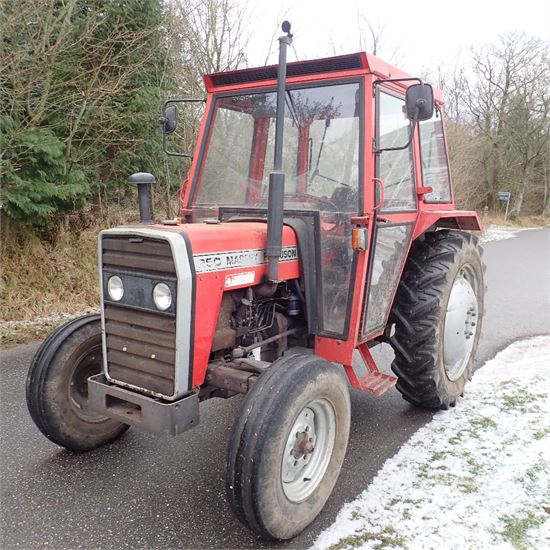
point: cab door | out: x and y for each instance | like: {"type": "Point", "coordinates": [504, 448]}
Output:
{"type": "Point", "coordinates": [395, 211]}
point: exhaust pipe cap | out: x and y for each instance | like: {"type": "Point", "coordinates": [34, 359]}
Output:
{"type": "Point", "coordinates": [144, 180]}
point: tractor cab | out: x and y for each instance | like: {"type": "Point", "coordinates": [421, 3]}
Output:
{"type": "Point", "coordinates": [353, 180]}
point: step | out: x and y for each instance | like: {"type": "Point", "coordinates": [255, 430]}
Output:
{"type": "Point", "coordinates": [377, 383]}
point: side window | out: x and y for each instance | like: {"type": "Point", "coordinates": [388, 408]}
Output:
{"type": "Point", "coordinates": [435, 166]}
{"type": "Point", "coordinates": [395, 168]}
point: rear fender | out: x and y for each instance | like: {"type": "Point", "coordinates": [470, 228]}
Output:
{"type": "Point", "coordinates": [451, 219]}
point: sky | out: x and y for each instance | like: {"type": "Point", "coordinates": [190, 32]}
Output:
{"type": "Point", "coordinates": [416, 35]}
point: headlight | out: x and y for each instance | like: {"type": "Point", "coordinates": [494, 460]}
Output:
{"type": "Point", "coordinates": [162, 296]}
{"type": "Point", "coordinates": [115, 288]}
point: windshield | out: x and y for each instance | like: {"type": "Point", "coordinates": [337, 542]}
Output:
{"type": "Point", "coordinates": [320, 149]}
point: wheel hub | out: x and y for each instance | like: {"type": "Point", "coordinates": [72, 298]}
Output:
{"type": "Point", "coordinates": [460, 325]}
{"type": "Point", "coordinates": [303, 445]}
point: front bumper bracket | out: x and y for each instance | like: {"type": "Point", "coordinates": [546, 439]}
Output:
{"type": "Point", "coordinates": [145, 413]}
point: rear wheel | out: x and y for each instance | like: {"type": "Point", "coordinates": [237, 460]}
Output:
{"type": "Point", "coordinates": [57, 387]}
{"type": "Point", "coordinates": [438, 313]}
{"type": "Point", "coordinates": [287, 445]}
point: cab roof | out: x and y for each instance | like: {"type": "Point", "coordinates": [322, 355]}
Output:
{"type": "Point", "coordinates": [343, 65]}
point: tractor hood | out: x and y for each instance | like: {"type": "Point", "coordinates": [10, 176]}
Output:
{"type": "Point", "coordinates": [161, 291]}
{"type": "Point", "coordinates": [233, 245]}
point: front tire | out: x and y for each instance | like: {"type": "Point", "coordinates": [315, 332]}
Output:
{"type": "Point", "coordinates": [57, 387]}
{"type": "Point", "coordinates": [438, 311]}
{"type": "Point", "coordinates": [287, 445]}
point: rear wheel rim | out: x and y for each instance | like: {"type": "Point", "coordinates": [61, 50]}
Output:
{"type": "Point", "coordinates": [461, 323]}
{"type": "Point", "coordinates": [308, 450]}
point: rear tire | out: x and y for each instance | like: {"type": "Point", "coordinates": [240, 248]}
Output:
{"type": "Point", "coordinates": [438, 311]}
{"type": "Point", "coordinates": [287, 445]}
{"type": "Point", "coordinates": [57, 387]}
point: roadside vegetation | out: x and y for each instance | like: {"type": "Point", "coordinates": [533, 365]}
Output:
{"type": "Point", "coordinates": [82, 85]}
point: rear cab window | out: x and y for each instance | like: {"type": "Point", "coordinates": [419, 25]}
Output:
{"type": "Point", "coordinates": [435, 164]}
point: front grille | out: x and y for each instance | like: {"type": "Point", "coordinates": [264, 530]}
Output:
{"type": "Point", "coordinates": [137, 254]}
{"type": "Point", "coordinates": [141, 345]}
{"type": "Point", "coordinates": [141, 348]}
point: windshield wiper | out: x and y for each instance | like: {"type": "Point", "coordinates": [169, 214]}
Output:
{"type": "Point", "coordinates": [316, 171]}
{"type": "Point", "coordinates": [290, 103]}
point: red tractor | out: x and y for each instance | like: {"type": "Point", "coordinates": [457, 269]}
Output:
{"type": "Point", "coordinates": [272, 279]}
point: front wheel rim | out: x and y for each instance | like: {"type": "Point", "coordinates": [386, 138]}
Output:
{"type": "Point", "coordinates": [308, 450]}
{"type": "Point", "coordinates": [86, 365]}
{"type": "Point", "coordinates": [461, 323]}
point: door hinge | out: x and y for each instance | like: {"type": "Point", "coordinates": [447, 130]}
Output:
{"type": "Point", "coordinates": [360, 220]}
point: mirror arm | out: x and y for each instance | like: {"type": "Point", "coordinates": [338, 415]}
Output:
{"type": "Point", "coordinates": [173, 153]}
{"type": "Point", "coordinates": [411, 136]}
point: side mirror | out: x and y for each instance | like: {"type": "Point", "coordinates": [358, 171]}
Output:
{"type": "Point", "coordinates": [419, 101]}
{"type": "Point", "coordinates": [169, 119]}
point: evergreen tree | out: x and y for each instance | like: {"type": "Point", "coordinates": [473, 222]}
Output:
{"type": "Point", "coordinates": [80, 94]}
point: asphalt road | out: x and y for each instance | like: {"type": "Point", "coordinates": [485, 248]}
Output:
{"type": "Point", "coordinates": [157, 492]}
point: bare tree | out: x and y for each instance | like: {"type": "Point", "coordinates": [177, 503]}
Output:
{"type": "Point", "coordinates": [207, 36]}
{"type": "Point", "coordinates": [371, 39]}
{"type": "Point", "coordinates": [508, 101]}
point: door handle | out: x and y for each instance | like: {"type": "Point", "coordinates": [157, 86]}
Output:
{"type": "Point", "coordinates": [380, 184]}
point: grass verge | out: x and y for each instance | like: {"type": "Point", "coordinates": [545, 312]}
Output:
{"type": "Point", "coordinates": [22, 334]}
{"type": "Point", "coordinates": [42, 279]}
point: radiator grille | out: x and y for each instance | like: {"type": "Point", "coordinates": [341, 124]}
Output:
{"type": "Point", "coordinates": [142, 255]}
{"type": "Point", "coordinates": [141, 345]}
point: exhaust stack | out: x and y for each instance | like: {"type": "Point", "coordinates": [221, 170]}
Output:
{"type": "Point", "coordinates": [144, 180]}
{"type": "Point", "coordinates": [275, 202]}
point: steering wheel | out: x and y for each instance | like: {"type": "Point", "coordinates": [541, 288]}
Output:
{"type": "Point", "coordinates": [322, 201]}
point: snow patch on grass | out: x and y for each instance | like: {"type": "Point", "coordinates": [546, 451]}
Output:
{"type": "Point", "coordinates": [476, 476]}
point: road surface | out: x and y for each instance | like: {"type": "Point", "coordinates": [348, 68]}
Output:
{"type": "Point", "coordinates": [155, 492]}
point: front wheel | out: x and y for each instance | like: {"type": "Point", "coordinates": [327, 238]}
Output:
{"type": "Point", "coordinates": [57, 387]}
{"type": "Point", "coordinates": [287, 445]}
